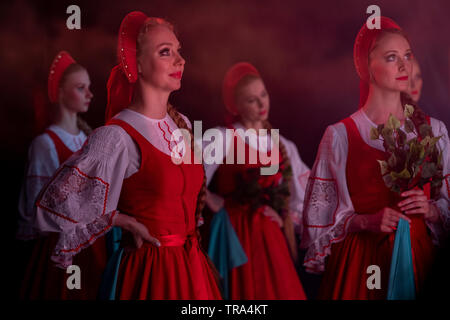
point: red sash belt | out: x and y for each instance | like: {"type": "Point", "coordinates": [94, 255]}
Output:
{"type": "Point", "coordinates": [190, 242]}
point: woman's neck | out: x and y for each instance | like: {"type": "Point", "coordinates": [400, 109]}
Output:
{"type": "Point", "coordinates": [67, 120]}
{"type": "Point", "coordinates": [150, 102]}
{"type": "Point", "coordinates": [256, 125]}
{"type": "Point", "coordinates": [381, 103]}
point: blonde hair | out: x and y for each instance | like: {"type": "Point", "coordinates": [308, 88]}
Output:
{"type": "Point", "coordinates": [150, 23]}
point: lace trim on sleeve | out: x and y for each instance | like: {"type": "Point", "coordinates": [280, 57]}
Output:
{"type": "Point", "coordinates": [69, 244]}
{"type": "Point", "coordinates": [318, 250]}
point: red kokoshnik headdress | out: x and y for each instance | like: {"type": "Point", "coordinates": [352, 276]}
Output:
{"type": "Point", "coordinates": [361, 50]}
{"type": "Point", "coordinates": [230, 81]}
{"type": "Point", "coordinates": [121, 82]}
{"type": "Point", "coordinates": [41, 107]}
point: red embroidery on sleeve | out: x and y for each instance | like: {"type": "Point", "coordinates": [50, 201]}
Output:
{"type": "Point", "coordinates": [71, 191]}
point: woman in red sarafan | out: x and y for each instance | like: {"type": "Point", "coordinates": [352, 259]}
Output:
{"type": "Point", "coordinates": [68, 91]}
{"type": "Point", "coordinates": [350, 215]}
{"type": "Point", "coordinates": [126, 175]}
{"type": "Point", "coordinates": [269, 272]}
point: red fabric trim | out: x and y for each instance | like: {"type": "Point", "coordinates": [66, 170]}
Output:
{"type": "Point", "coordinates": [38, 202]}
{"type": "Point", "coordinates": [321, 179]}
{"type": "Point", "coordinates": [335, 210]}
{"type": "Point", "coordinates": [97, 178]}
{"type": "Point", "coordinates": [56, 213]}
{"type": "Point", "coordinates": [164, 135]}
{"type": "Point", "coordinates": [61, 149]}
{"type": "Point", "coordinates": [176, 145]}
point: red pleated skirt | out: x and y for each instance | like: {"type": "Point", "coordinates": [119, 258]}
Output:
{"type": "Point", "coordinates": [44, 281]}
{"type": "Point", "coordinates": [345, 275]}
{"type": "Point", "coordinates": [165, 273]}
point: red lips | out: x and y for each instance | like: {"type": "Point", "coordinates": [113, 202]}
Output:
{"type": "Point", "coordinates": [402, 78]}
{"type": "Point", "coordinates": [176, 75]}
{"type": "Point", "coordinates": [415, 92]}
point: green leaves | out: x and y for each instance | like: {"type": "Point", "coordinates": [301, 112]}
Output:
{"type": "Point", "coordinates": [388, 137]}
{"type": "Point", "coordinates": [392, 123]}
{"type": "Point", "coordinates": [408, 111]}
{"type": "Point", "coordinates": [425, 130]}
{"type": "Point", "coordinates": [404, 174]}
{"type": "Point", "coordinates": [384, 167]}
{"type": "Point", "coordinates": [374, 134]}
{"type": "Point", "coordinates": [409, 126]}
{"type": "Point", "coordinates": [408, 163]}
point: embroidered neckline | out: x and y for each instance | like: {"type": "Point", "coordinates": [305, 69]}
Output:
{"type": "Point", "coordinates": [168, 141]}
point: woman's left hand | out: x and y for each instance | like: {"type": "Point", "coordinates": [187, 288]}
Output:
{"type": "Point", "coordinates": [417, 203]}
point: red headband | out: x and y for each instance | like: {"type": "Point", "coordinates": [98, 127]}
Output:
{"type": "Point", "coordinates": [124, 75]}
{"type": "Point", "coordinates": [59, 65]}
{"type": "Point", "coordinates": [230, 81]}
{"type": "Point", "coordinates": [361, 50]}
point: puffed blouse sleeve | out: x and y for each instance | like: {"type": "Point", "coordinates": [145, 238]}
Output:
{"type": "Point", "coordinates": [328, 208]}
{"type": "Point", "coordinates": [300, 175]}
{"type": "Point", "coordinates": [441, 229]}
{"type": "Point", "coordinates": [81, 198]}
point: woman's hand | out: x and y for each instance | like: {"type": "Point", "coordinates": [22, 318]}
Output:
{"type": "Point", "coordinates": [138, 230]}
{"type": "Point", "coordinates": [385, 220]}
{"type": "Point", "coordinates": [214, 201]}
{"type": "Point", "coordinates": [273, 215]}
{"type": "Point", "coordinates": [417, 203]}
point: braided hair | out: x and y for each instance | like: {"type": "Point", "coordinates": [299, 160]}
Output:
{"type": "Point", "coordinates": [201, 198]}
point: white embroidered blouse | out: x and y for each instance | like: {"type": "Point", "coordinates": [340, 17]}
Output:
{"type": "Point", "coordinates": [42, 164]}
{"type": "Point", "coordinates": [300, 170]}
{"type": "Point", "coordinates": [81, 199]}
{"type": "Point", "coordinates": [327, 193]}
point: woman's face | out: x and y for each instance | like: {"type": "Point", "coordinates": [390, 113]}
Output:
{"type": "Point", "coordinates": [416, 82]}
{"type": "Point", "coordinates": [74, 93]}
{"type": "Point", "coordinates": [160, 63]}
{"type": "Point", "coordinates": [252, 101]}
{"type": "Point", "coordinates": [390, 63]}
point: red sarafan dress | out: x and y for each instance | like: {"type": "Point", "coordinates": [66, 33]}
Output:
{"type": "Point", "coordinates": [163, 196]}
{"type": "Point", "coordinates": [43, 280]}
{"type": "Point", "coordinates": [269, 273]}
{"type": "Point", "coordinates": [345, 273]}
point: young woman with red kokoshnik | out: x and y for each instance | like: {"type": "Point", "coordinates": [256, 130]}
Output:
{"type": "Point", "coordinates": [125, 176]}
{"type": "Point", "coordinates": [350, 215]}
{"type": "Point", "coordinates": [259, 207]}
{"type": "Point", "coordinates": [69, 93]}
